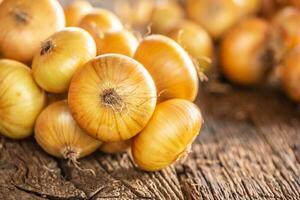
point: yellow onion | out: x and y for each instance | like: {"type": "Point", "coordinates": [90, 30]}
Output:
{"type": "Point", "coordinates": [112, 97]}
{"type": "Point", "coordinates": [194, 39]}
{"type": "Point", "coordinates": [290, 74]}
{"type": "Point", "coordinates": [287, 30]}
{"type": "Point", "coordinates": [100, 21]}
{"type": "Point", "coordinates": [168, 136]}
{"type": "Point", "coordinates": [25, 24]}
{"type": "Point", "coordinates": [166, 15]}
{"type": "Point", "coordinates": [60, 56]}
{"type": "Point", "coordinates": [170, 66]}
{"type": "Point", "coordinates": [216, 16]}
{"type": "Point", "coordinates": [134, 13]}
{"type": "Point", "coordinates": [21, 99]}
{"type": "Point", "coordinates": [121, 42]}
{"type": "Point", "coordinates": [75, 11]}
{"type": "Point", "coordinates": [59, 135]}
{"type": "Point", "coordinates": [115, 147]}
{"type": "Point", "coordinates": [245, 53]}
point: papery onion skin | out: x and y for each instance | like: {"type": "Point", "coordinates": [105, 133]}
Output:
{"type": "Point", "coordinates": [25, 24]}
{"type": "Point", "coordinates": [168, 135]}
{"type": "Point", "coordinates": [165, 16]}
{"type": "Point", "coordinates": [290, 74]}
{"type": "Point", "coordinates": [216, 16]}
{"type": "Point", "coordinates": [59, 135]}
{"type": "Point", "coordinates": [100, 21]}
{"type": "Point", "coordinates": [170, 66]}
{"type": "Point", "coordinates": [21, 99]}
{"type": "Point", "coordinates": [60, 56]}
{"type": "Point", "coordinates": [121, 42]}
{"type": "Point", "coordinates": [112, 97]}
{"type": "Point", "coordinates": [244, 50]}
{"type": "Point", "coordinates": [75, 11]}
{"type": "Point", "coordinates": [194, 39]}
{"type": "Point", "coordinates": [115, 147]}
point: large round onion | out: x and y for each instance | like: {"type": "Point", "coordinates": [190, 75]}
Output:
{"type": "Point", "coordinates": [25, 23]}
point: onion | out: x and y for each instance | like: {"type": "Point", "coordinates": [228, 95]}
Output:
{"type": "Point", "coordinates": [170, 66]}
{"type": "Point", "coordinates": [166, 15]}
{"type": "Point", "coordinates": [59, 135]}
{"type": "Point", "coordinates": [21, 99]}
{"type": "Point", "coordinates": [168, 136]}
{"type": "Point", "coordinates": [122, 42]}
{"type": "Point", "coordinates": [25, 24]}
{"type": "Point", "coordinates": [216, 16]}
{"type": "Point", "coordinates": [75, 11]}
{"type": "Point", "coordinates": [112, 97]}
{"type": "Point", "coordinates": [245, 52]}
{"type": "Point", "coordinates": [60, 56]}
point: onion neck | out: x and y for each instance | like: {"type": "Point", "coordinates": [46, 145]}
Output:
{"type": "Point", "coordinates": [47, 47]}
{"type": "Point", "coordinates": [21, 16]}
{"type": "Point", "coordinates": [109, 97]}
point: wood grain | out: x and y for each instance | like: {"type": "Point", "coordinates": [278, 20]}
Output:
{"type": "Point", "coordinates": [248, 149]}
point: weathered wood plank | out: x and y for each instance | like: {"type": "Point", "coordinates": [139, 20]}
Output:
{"type": "Point", "coordinates": [249, 149]}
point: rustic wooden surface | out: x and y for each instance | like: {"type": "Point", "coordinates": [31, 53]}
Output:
{"type": "Point", "coordinates": [249, 148]}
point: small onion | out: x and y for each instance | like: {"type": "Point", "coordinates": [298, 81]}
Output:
{"type": "Point", "coordinates": [25, 24]}
{"type": "Point", "coordinates": [245, 53]}
{"type": "Point", "coordinates": [168, 136]}
{"type": "Point", "coordinates": [76, 10]}
{"type": "Point", "coordinates": [216, 16]}
{"type": "Point", "coordinates": [59, 135]}
{"type": "Point", "coordinates": [60, 56]}
{"type": "Point", "coordinates": [112, 97]}
{"type": "Point", "coordinates": [170, 66]}
{"type": "Point", "coordinates": [21, 99]}
{"type": "Point", "coordinates": [115, 147]}
{"type": "Point", "coordinates": [100, 21]}
{"type": "Point", "coordinates": [121, 42]}
{"type": "Point", "coordinates": [165, 16]}
{"type": "Point", "coordinates": [194, 39]}
{"type": "Point", "coordinates": [290, 74]}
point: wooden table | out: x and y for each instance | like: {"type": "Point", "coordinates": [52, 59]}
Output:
{"type": "Point", "coordinates": [249, 148]}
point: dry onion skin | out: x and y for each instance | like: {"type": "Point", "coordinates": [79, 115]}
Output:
{"type": "Point", "coordinates": [165, 16]}
{"type": "Point", "coordinates": [121, 42]}
{"type": "Point", "coordinates": [60, 56]}
{"type": "Point", "coordinates": [168, 136]}
{"type": "Point", "coordinates": [245, 52]}
{"type": "Point", "coordinates": [21, 99]}
{"type": "Point", "coordinates": [75, 11]}
{"type": "Point", "coordinates": [216, 16]}
{"type": "Point", "coordinates": [112, 97]}
{"type": "Point", "coordinates": [25, 24]}
{"type": "Point", "coordinates": [194, 39]}
{"type": "Point", "coordinates": [290, 74]}
{"type": "Point", "coordinates": [115, 147]}
{"type": "Point", "coordinates": [170, 66]}
{"type": "Point", "coordinates": [100, 21]}
{"type": "Point", "coordinates": [59, 135]}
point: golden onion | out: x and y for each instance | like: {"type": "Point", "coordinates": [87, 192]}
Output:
{"type": "Point", "coordinates": [245, 53]}
{"type": "Point", "coordinates": [60, 56]}
{"type": "Point", "coordinates": [121, 42]}
{"type": "Point", "coordinates": [25, 24]}
{"type": "Point", "coordinates": [59, 135]}
{"type": "Point", "coordinates": [168, 136]}
{"type": "Point", "coordinates": [170, 66]}
{"type": "Point", "coordinates": [21, 99]}
{"type": "Point", "coordinates": [112, 97]}
{"type": "Point", "coordinates": [76, 10]}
